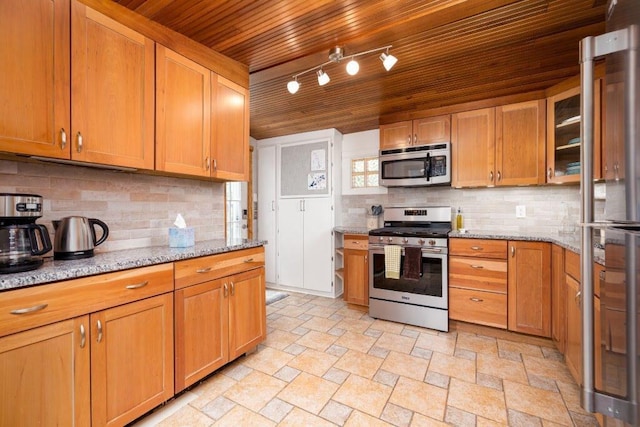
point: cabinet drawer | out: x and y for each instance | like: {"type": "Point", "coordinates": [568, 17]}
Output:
{"type": "Point", "coordinates": [24, 309]}
{"type": "Point", "coordinates": [356, 242]}
{"type": "Point", "coordinates": [572, 264]}
{"type": "Point", "coordinates": [198, 270]}
{"type": "Point", "coordinates": [478, 248]}
{"type": "Point", "coordinates": [484, 308]}
{"type": "Point", "coordinates": [478, 273]}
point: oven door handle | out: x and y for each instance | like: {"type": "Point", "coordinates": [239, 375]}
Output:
{"type": "Point", "coordinates": [432, 250]}
{"type": "Point", "coordinates": [380, 250]}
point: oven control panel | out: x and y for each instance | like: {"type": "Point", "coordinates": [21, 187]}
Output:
{"type": "Point", "coordinates": [426, 242]}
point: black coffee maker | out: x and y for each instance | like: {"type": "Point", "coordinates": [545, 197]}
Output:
{"type": "Point", "coordinates": [22, 241]}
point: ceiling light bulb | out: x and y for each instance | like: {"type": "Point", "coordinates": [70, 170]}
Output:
{"type": "Point", "coordinates": [293, 86]}
{"type": "Point", "coordinates": [323, 78]}
{"type": "Point", "coordinates": [388, 61]}
{"type": "Point", "coordinates": [353, 67]}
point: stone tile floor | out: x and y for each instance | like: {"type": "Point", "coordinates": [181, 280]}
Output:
{"type": "Point", "coordinates": [325, 363]}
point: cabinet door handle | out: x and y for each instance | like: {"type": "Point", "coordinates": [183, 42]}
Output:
{"type": "Point", "coordinates": [138, 285]}
{"type": "Point", "coordinates": [476, 266]}
{"type": "Point", "coordinates": [273, 205]}
{"type": "Point", "coordinates": [63, 138]}
{"type": "Point", "coordinates": [83, 336]}
{"type": "Point", "coordinates": [29, 309]}
{"type": "Point", "coordinates": [366, 258]}
{"type": "Point", "coordinates": [203, 270]}
{"type": "Point", "coordinates": [225, 290]}
{"type": "Point", "coordinates": [477, 248]}
{"type": "Point", "coordinates": [602, 274]}
{"type": "Point", "coordinates": [233, 289]}
{"type": "Point", "coordinates": [474, 299]}
{"type": "Point", "coordinates": [215, 165]}
{"type": "Point", "coordinates": [79, 142]}
{"type": "Point", "coordinates": [499, 176]}
{"type": "Point", "coordinates": [99, 326]}
{"type": "Point", "coordinates": [208, 163]}
{"type": "Point", "coordinates": [415, 138]}
{"type": "Point", "coordinates": [491, 176]}
{"type": "Point", "coordinates": [248, 260]}
{"type": "Point", "coordinates": [513, 251]}
{"type": "Point", "coordinates": [549, 174]}
{"type": "Point", "coordinates": [409, 139]}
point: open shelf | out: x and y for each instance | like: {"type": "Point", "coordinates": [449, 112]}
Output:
{"type": "Point", "coordinates": [340, 273]}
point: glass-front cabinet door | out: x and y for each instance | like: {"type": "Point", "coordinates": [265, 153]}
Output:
{"type": "Point", "coordinates": [563, 136]}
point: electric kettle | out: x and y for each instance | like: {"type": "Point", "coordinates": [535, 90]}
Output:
{"type": "Point", "coordinates": [75, 237]}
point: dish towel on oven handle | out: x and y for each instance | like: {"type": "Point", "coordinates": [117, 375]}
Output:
{"type": "Point", "coordinates": [412, 267]}
{"type": "Point", "coordinates": [392, 255]}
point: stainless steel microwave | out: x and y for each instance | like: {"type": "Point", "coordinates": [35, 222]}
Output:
{"type": "Point", "coordinates": [416, 166]}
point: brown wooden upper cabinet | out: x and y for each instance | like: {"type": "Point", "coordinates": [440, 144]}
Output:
{"type": "Point", "coordinates": [229, 130]}
{"type": "Point", "coordinates": [183, 114]}
{"type": "Point", "coordinates": [563, 135]}
{"type": "Point", "coordinates": [202, 126]}
{"type": "Point", "coordinates": [415, 132]}
{"type": "Point", "coordinates": [499, 146]}
{"type": "Point", "coordinates": [107, 116]}
{"type": "Point", "coordinates": [35, 112]}
{"type": "Point", "coordinates": [89, 94]}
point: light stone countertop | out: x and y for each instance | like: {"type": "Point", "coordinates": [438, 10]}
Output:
{"type": "Point", "coordinates": [567, 241]}
{"type": "Point", "coordinates": [106, 262]}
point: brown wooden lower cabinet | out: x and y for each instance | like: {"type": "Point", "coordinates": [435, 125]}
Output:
{"type": "Point", "coordinates": [530, 287]}
{"type": "Point", "coordinates": [217, 321]}
{"type": "Point", "coordinates": [356, 269]}
{"type": "Point", "coordinates": [131, 360]}
{"type": "Point", "coordinates": [478, 281]}
{"type": "Point", "coordinates": [558, 295]}
{"type": "Point", "coordinates": [45, 376]}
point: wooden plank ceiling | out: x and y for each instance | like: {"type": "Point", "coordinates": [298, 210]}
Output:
{"type": "Point", "coordinates": [449, 52]}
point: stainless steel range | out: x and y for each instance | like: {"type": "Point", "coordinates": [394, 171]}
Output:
{"type": "Point", "coordinates": [418, 296]}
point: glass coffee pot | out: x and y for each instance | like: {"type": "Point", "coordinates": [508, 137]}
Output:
{"type": "Point", "coordinates": [22, 241]}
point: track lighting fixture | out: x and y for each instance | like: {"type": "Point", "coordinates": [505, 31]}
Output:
{"type": "Point", "coordinates": [335, 55]}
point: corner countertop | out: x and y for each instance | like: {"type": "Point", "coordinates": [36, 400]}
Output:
{"type": "Point", "coordinates": [567, 241]}
{"type": "Point", "coordinates": [106, 262]}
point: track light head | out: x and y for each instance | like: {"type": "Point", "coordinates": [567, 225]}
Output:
{"type": "Point", "coordinates": [293, 86]}
{"type": "Point", "coordinates": [353, 67]}
{"type": "Point", "coordinates": [323, 78]}
{"type": "Point", "coordinates": [388, 60]}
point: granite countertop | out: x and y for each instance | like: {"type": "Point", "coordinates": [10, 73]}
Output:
{"type": "Point", "coordinates": [567, 241]}
{"type": "Point", "coordinates": [106, 262]}
{"type": "Point", "coordinates": [351, 230]}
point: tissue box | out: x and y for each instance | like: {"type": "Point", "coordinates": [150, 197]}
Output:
{"type": "Point", "coordinates": [181, 237]}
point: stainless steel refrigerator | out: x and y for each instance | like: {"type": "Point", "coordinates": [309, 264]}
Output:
{"type": "Point", "coordinates": [615, 393]}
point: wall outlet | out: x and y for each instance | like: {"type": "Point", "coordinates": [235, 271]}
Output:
{"type": "Point", "coordinates": [521, 211]}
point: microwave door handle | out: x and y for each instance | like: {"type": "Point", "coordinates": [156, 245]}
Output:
{"type": "Point", "coordinates": [427, 167]}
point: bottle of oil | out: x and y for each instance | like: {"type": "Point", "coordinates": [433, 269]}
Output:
{"type": "Point", "coordinates": [459, 219]}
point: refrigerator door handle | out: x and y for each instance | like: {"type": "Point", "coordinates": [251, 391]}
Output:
{"type": "Point", "coordinates": [590, 49]}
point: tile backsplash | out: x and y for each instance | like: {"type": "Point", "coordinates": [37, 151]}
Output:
{"type": "Point", "coordinates": [549, 209]}
{"type": "Point", "coordinates": [138, 208]}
